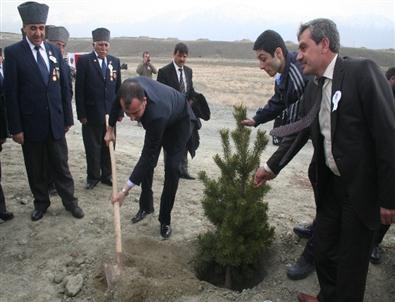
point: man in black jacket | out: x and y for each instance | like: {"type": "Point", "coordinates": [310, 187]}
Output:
{"type": "Point", "coordinates": [179, 76]}
{"type": "Point", "coordinates": [167, 118]}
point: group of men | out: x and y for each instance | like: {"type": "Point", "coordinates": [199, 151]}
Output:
{"type": "Point", "coordinates": [344, 105]}
{"type": "Point", "coordinates": [38, 93]}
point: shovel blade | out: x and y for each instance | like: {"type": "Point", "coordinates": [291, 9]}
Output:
{"type": "Point", "coordinates": [112, 273]}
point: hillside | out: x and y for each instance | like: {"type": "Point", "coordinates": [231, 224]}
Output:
{"type": "Point", "coordinates": [134, 47]}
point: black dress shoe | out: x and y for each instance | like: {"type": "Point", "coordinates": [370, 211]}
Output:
{"type": "Point", "coordinates": [90, 184]}
{"type": "Point", "coordinates": [141, 215]}
{"type": "Point", "coordinates": [107, 182]}
{"type": "Point", "coordinates": [76, 211]}
{"type": "Point", "coordinates": [304, 231]}
{"type": "Point", "coordinates": [186, 176]}
{"type": "Point", "coordinates": [6, 215]}
{"type": "Point", "coordinates": [165, 230]}
{"type": "Point", "coordinates": [37, 214]}
{"type": "Point", "coordinates": [301, 269]}
{"type": "Point", "coordinates": [375, 256]}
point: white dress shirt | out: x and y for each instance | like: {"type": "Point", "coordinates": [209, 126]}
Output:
{"type": "Point", "coordinates": [43, 52]}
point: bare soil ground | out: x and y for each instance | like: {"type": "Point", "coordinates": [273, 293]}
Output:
{"type": "Point", "coordinates": [58, 257]}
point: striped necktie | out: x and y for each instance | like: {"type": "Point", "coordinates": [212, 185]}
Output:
{"type": "Point", "coordinates": [306, 121]}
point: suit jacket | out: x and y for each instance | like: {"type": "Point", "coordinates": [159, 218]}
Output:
{"type": "Point", "coordinates": [363, 145]}
{"type": "Point", "coordinates": [167, 120]}
{"type": "Point", "coordinates": [95, 95]}
{"type": "Point", "coordinates": [34, 107]}
{"type": "Point", "coordinates": [168, 76]}
{"type": "Point", "coordinates": [3, 117]}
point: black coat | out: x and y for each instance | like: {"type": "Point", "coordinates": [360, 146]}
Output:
{"type": "Point", "coordinates": [363, 145]}
{"type": "Point", "coordinates": [167, 120]}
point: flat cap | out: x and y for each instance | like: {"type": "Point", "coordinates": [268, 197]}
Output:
{"type": "Point", "coordinates": [101, 34]}
{"type": "Point", "coordinates": [33, 12]}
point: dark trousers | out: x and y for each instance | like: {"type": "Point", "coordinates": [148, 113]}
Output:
{"type": "Point", "coordinates": [2, 198]}
{"type": "Point", "coordinates": [342, 246]}
{"type": "Point", "coordinates": [39, 156]}
{"type": "Point", "coordinates": [308, 252]}
{"type": "Point", "coordinates": [170, 186]}
{"type": "Point", "coordinates": [174, 143]}
{"type": "Point", "coordinates": [379, 236]}
{"type": "Point", "coordinates": [184, 164]}
{"type": "Point", "coordinates": [98, 162]}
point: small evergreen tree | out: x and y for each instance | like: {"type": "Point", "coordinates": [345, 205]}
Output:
{"type": "Point", "coordinates": [231, 251]}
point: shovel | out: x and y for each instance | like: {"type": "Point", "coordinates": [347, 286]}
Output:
{"type": "Point", "coordinates": [112, 271]}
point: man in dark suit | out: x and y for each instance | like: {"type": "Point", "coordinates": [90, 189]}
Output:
{"type": "Point", "coordinates": [39, 110]}
{"type": "Point", "coordinates": [98, 78]}
{"type": "Point", "coordinates": [167, 118]}
{"type": "Point", "coordinates": [351, 123]}
{"type": "Point", "coordinates": [59, 36]}
{"type": "Point", "coordinates": [179, 76]}
{"type": "Point", "coordinates": [4, 214]}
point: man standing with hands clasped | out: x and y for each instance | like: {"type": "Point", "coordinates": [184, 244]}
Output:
{"type": "Point", "coordinates": [39, 110]}
{"type": "Point", "coordinates": [349, 114]}
{"type": "Point", "coordinates": [98, 78]}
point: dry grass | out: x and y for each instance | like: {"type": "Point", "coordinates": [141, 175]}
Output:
{"type": "Point", "coordinates": [222, 81]}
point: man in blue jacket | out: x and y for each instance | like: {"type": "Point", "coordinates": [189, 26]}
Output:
{"type": "Point", "coordinates": [98, 78]}
{"type": "Point", "coordinates": [39, 110]}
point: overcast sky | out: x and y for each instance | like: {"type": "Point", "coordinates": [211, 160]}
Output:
{"type": "Point", "coordinates": [362, 23]}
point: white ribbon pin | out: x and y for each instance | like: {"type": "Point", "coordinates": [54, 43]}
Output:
{"type": "Point", "coordinates": [53, 59]}
{"type": "Point", "coordinates": [336, 99]}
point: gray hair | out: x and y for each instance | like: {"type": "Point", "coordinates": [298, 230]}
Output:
{"type": "Point", "coordinates": [322, 28]}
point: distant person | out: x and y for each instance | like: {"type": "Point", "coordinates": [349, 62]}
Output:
{"type": "Point", "coordinates": [97, 81]}
{"type": "Point", "coordinates": [59, 36]}
{"type": "Point", "coordinates": [348, 112]}
{"type": "Point", "coordinates": [146, 68]}
{"type": "Point", "coordinates": [290, 82]}
{"type": "Point", "coordinates": [4, 214]}
{"type": "Point", "coordinates": [167, 119]}
{"type": "Point", "coordinates": [179, 76]}
{"type": "Point", "coordinates": [39, 110]}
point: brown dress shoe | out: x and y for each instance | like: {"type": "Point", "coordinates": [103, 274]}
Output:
{"type": "Point", "coordinates": [306, 298]}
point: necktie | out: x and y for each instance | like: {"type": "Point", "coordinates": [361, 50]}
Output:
{"type": "Point", "coordinates": [182, 84]}
{"type": "Point", "coordinates": [41, 65]}
{"type": "Point", "coordinates": [306, 121]}
{"type": "Point", "coordinates": [103, 68]}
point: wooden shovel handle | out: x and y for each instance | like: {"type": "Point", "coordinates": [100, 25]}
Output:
{"type": "Point", "coordinates": [117, 216]}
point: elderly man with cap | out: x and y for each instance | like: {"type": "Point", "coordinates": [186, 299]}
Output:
{"type": "Point", "coordinates": [98, 79]}
{"type": "Point", "coordinates": [39, 110]}
{"type": "Point", "coordinates": [59, 36]}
